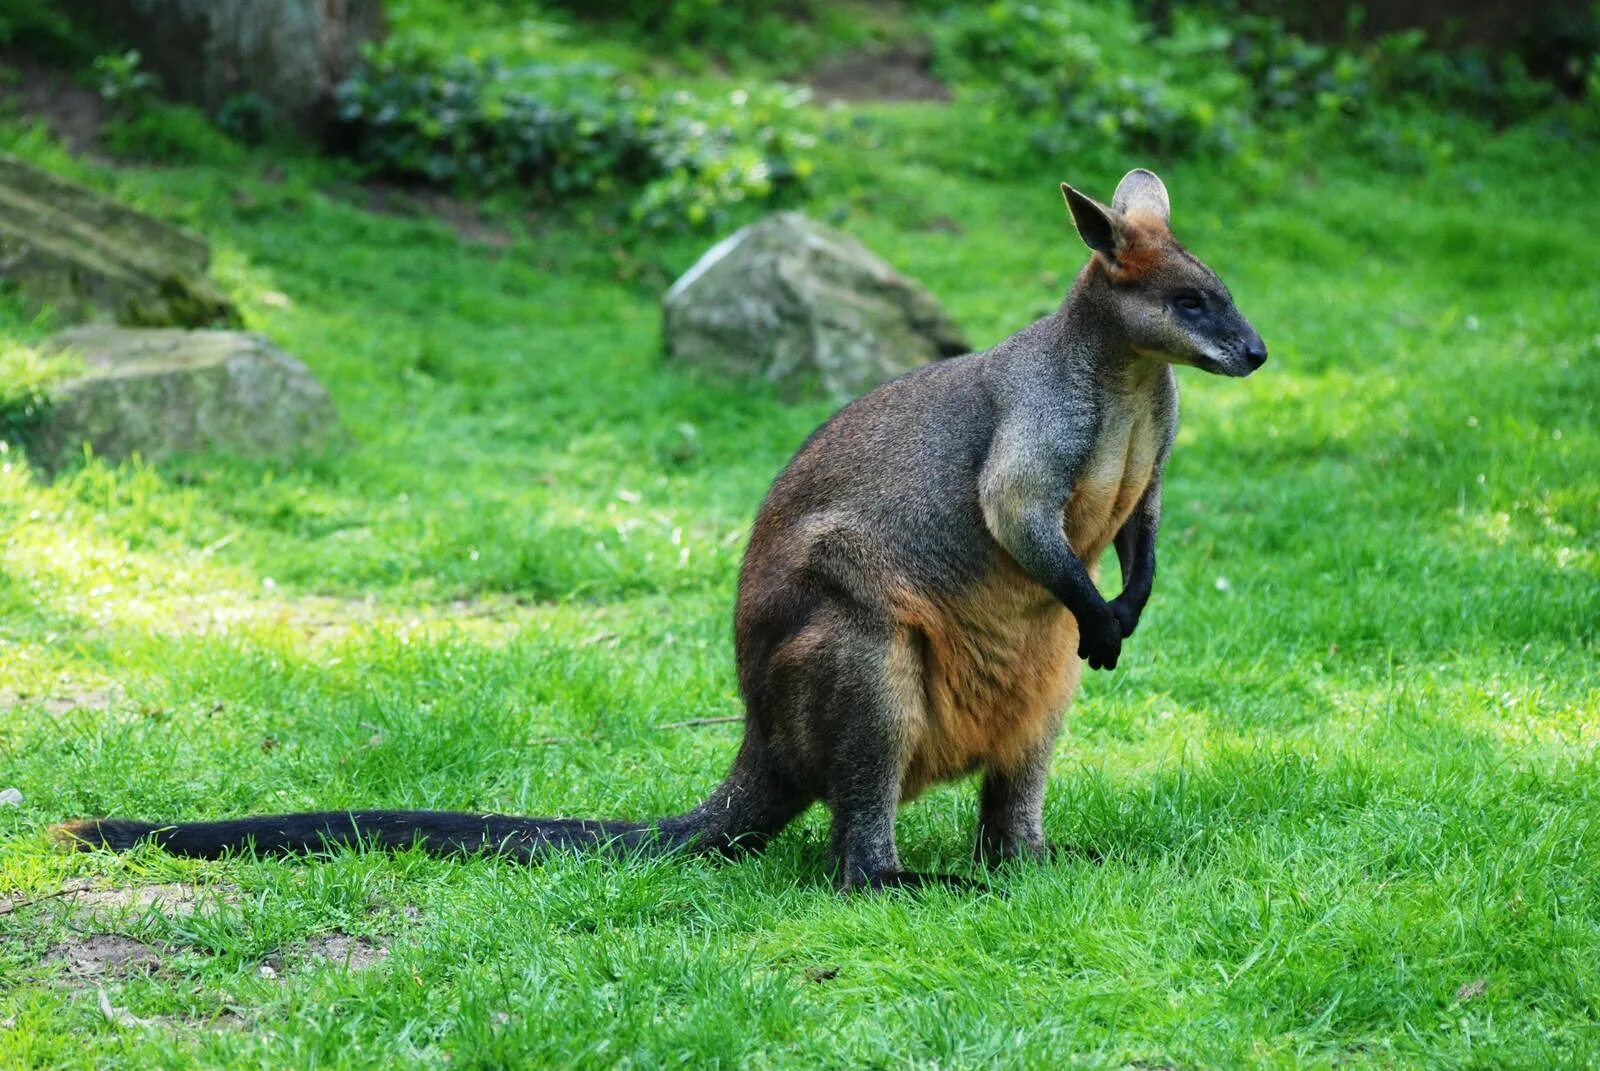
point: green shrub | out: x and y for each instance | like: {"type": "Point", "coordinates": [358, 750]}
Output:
{"type": "Point", "coordinates": [245, 117]}
{"type": "Point", "coordinates": [570, 130]}
{"type": "Point", "coordinates": [41, 31]}
{"type": "Point", "coordinates": [767, 31]}
{"type": "Point", "coordinates": [1585, 112]}
{"type": "Point", "coordinates": [26, 377]}
{"type": "Point", "coordinates": [1097, 72]}
{"type": "Point", "coordinates": [1548, 42]}
{"type": "Point", "coordinates": [1496, 86]}
{"type": "Point", "coordinates": [1287, 76]}
{"type": "Point", "coordinates": [1092, 73]}
{"type": "Point", "coordinates": [123, 82]}
{"type": "Point", "coordinates": [170, 134]}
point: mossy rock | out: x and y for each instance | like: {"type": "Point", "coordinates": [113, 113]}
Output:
{"type": "Point", "coordinates": [806, 307]}
{"type": "Point", "coordinates": [290, 54]}
{"type": "Point", "coordinates": [89, 258]}
{"type": "Point", "coordinates": [161, 392]}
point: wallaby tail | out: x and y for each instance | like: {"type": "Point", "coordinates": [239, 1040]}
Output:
{"type": "Point", "coordinates": [439, 832]}
{"type": "Point", "coordinates": [742, 814]}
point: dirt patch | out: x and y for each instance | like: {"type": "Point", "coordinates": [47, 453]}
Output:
{"type": "Point", "coordinates": [463, 217]}
{"type": "Point", "coordinates": [225, 1021]}
{"type": "Point", "coordinates": [903, 72]}
{"type": "Point", "coordinates": [336, 949]}
{"type": "Point", "coordinates": [174, 900]}
{"type": "Point", "coordinates": [105, 955]}
{"type": "Point", "coordinates": [91, 905]}
{"type": "Point", "coordinates": [61, 700]}
{"type": "Point", "coordinates": [353, 953]}
{"type": "Point", "coordinates": [72, 112]}
{"type": "Point", "coordinates": [17, 901]}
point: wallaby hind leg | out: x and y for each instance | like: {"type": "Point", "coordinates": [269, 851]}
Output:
{"type": "Point", "coordinates": [872, 705]}
{"type": "Point", "coordinates": [1011, 810]}
{"type": "Point", "coordinates": [864, 802]}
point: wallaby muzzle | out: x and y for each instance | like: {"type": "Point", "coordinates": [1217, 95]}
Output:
{"type": "Point", "coordinates": [1237, 357]}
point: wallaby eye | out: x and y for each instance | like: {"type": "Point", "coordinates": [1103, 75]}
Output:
{"type": "Point", "coordinates": [1190, 301]}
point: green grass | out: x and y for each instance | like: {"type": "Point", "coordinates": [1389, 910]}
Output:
{"type": "Point", "coordinates": [1345, 784]}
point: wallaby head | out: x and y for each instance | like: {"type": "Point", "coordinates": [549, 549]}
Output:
{"type": "Point", "coordinates": [1162, 300]}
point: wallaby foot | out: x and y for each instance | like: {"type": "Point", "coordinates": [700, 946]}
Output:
{"type": "Point", "coordinates": [1005, 853]}
{"type": "Point", "coordinates": [1011, 810]}
{"type": "Point", "coordinates": [996, 851]}
{"type": "Point", "coordinates": [915, 881]}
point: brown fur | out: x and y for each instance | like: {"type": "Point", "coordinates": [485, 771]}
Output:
{"type": "Point", "coordinates": [1143, 244]}
{"type": "Point", "coordinates": [1120, 469]}
{"type": "Point", "coordinates": [987, 675]}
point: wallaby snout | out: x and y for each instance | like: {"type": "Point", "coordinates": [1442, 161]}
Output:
{"type": "Point", "coordinates": [1242, 355]}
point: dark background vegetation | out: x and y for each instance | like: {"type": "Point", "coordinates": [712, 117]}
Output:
{"type": "Point", "coordinates": [1067, 78]}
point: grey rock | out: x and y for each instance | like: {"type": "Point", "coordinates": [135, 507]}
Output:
{"type": "Point", "coordinates": [807, 307]}
{"type": "Point", "coordinates": [290, 52]}
{"type": "Point", "coordinates": [90, 258]}
{"type": "Point", "coordinates": [160, 392]}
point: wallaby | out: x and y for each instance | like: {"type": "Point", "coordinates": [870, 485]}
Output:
{"type": "Point", "coordinates": [919, 586]}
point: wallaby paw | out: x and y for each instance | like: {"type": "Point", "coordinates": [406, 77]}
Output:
{"type": "Point", "coordinates": [1127, 617]}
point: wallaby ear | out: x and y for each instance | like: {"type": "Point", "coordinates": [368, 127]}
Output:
{"type": "Point", "coordinates": [1097, 224]}
{"type": "Point", "coordinates": [1142, 192]}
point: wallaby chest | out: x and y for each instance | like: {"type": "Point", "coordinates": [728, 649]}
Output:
{"type": "Point", "coordinates": [1122, 461]}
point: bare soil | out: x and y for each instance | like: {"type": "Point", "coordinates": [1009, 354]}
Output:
{"type": "Point", "coordinates": [62, 699]}
{"type": "Point", "coordinates": [71, 111]}
{"type": "Point", "coordinates": [99, 956]}
{"type": "Point", "coordinates": [902, 72]}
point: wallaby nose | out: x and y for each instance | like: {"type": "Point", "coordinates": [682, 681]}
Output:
{"type": "Point", "coordinates": [1255, 351]}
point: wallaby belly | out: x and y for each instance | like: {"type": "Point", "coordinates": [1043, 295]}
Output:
{"type": "Point", "coordinates": [982, 678]}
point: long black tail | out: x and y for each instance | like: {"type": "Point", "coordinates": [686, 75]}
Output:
{"type": "Point", "coordinates": [439, 832]}
{"type": "Point", "coordinates": [742, 814]}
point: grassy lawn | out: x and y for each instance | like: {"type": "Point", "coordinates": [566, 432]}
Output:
{"type": "Point", "coordinates": [1344, 788]}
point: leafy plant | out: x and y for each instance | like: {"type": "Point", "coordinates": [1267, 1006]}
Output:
{"type": "Point", "coordinates": [245, 117]}
{"type": "Point", "coordinates": [1084, 72]}
{"type": "Point", "coordinates": [122, 80]}
{"type": "Point", "coordinates": [761, 30]}
{"type": "Point", "coordinates": [1289, 75]}
{"type": "Point", "coordinates": [1494, 85]}
{"type": "Point", "coordinates": [38, 27]}
{"type": "Point", "coordinates": [570, 130]}
{"type": "Point", "coordinates": [1095, 72]}
{"type": "Point", "coordinates": [172, 134]}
